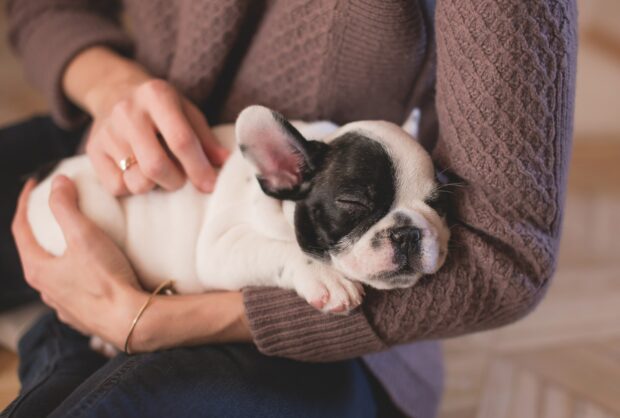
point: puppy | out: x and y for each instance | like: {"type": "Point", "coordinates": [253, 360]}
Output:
{"type": "Point", "coordinates": [312, 207]}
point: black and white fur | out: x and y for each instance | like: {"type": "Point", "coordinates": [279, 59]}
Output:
{"type": "Point", "coordinates": [333, 208]}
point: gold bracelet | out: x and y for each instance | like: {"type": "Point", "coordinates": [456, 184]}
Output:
{"type": "Point", "coordinates": [164, 287]}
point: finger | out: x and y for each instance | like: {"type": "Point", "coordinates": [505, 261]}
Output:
{"type": "Point", "coordinates": [30, 252]}
{"type": "Point", "coordinates": [63, 202]}
{"type": "Point", "coordinates": [118, 148]}
{"type": "Point", "coordinates": [153, 161]}
{"type": "Point", "coordinates": [172, 123]}
{"type": "Point", "coordinates": [215, 151]}
{"type": "Point", "coordinates": [136, 181]}
{"type": "Point", "coordinates": [107, 171]}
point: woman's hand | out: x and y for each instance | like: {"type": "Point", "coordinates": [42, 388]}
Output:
{"type": "Point", "coordinates": [144, 118]}
{"type": "Point", "coordinates": [93, 288]}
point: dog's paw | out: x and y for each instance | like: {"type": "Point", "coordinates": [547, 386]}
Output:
{"type": "Point", "coordinates": [328, 290]}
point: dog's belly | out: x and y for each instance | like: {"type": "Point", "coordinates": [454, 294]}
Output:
{"type": "Point", "coordinates": [158, 231]}
{"type": "Point", "coordinates": [162, 230]}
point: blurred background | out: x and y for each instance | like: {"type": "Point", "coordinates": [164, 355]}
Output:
{"type": "Point", "coordinates": [564, 359]}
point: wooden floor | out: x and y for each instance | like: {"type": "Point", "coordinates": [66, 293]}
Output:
{"type": "Point", "coordinates": [563, 361]}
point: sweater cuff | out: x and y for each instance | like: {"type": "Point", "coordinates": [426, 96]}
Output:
{"type": "Point", "coordinates": [285, 325]}
{"type": "Point", "coordinates": [52, 42]}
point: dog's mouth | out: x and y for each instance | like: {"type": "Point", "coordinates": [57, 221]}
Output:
{"type": "Point", "coordinates": [378, 270]}
{"type": "Point", "coordinates": [401, 278]}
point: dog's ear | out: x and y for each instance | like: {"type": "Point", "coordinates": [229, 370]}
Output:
{"type": "Point", "coordinates": [285, 161]}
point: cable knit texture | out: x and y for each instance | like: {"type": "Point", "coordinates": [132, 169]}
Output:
{"type": "Point", "coordinates": [495, 79]}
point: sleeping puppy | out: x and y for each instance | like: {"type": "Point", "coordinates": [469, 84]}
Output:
{"type": "Point", "coordinates": [312, 207]}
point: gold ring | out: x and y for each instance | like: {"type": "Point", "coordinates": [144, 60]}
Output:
{"type": "Point", "coordinates": [126, 163]}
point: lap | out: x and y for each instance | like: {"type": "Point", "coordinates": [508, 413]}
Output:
{"type": "Point", "coordinates": [232, 380]}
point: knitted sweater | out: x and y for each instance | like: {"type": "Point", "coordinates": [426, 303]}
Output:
{"type": "Point", "coordinates": [495, 80]}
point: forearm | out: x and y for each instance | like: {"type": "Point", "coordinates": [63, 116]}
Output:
{"type": "Point", "coordinates": [97, 77]}
{"type": "Point", "coordinates": [186, 320]}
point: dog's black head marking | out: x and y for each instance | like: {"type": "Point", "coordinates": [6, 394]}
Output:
{"type": "Point", "coordinates": [353, 189]}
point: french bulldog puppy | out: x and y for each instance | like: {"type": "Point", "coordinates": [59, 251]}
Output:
{"type": "Point", "coordinates": [312, 207]}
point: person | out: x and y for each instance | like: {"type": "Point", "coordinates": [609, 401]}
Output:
{"type": "Point", "coordinates": [495, 84]}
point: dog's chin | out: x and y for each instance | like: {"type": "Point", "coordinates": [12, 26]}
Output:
{"type": "Point", "coordinates": [392, 280]}
{"type": "Point", "coordinates": [378, 273]}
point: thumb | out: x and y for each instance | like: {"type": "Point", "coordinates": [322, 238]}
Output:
{"type": "Point", "coordinates": [63, 202]}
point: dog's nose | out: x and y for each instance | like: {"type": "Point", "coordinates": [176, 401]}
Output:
{"type": "Point", "coordinates": [406, 238]}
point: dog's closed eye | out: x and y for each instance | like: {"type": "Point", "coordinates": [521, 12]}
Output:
{"type": "Point", "coordinates": [353, 203]}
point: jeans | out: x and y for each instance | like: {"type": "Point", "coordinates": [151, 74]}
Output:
{"type": "Point", "coordinates": [62, 377]}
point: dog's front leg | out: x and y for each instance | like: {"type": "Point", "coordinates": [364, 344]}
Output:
{"type": "Point", "coordinates": [241, 257]}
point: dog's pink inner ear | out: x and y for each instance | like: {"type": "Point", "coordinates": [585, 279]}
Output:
{"type": "Point", "coordinates": [279, 164]}
{"type": "Point", "coordinates": [274, 147]}
{"type": "Point", "coordinates": [278, 151]}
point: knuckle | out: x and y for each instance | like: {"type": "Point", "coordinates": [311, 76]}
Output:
{"type": "Point", "coordinates": [154, 87]}
{"type": "Point", "coordinates": [46, 299]}
{"type": "Point", "coordinates": [32, 276]}
{"type": "Point", "coordinates": [122, 107]}
{"type": "Point", "coordinates": [182, 142]}
{"type": "Point", "coordinates": [62, 317]}
{"type": "Point", "coordinates": [94, 144]}
{"type": "Point", "coordinates": [106, 133]}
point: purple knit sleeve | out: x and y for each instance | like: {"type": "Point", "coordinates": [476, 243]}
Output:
{"type": "Point", "coordinates": [504, 98]}
{"type": "Point", "coordinates": [47, 34]}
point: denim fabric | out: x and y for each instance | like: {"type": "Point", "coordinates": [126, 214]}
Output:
{"type": "Point", "coordinates": [62, 377]}
{"type": "Point", "coordinates": [54, 360]}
